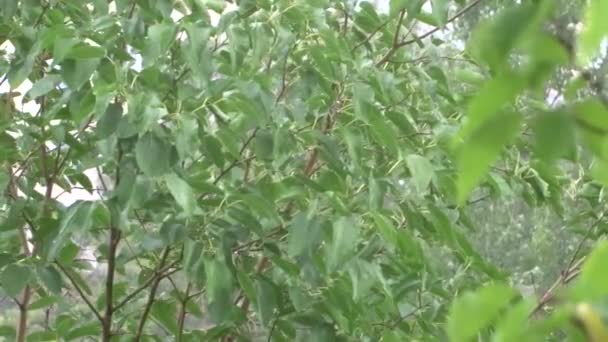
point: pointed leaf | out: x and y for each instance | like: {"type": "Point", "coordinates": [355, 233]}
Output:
{"type": "Point", "coordinates": [344, 240]}
{"type": "Point", "coordinates": [595, 29]}
{"type": "Point", "coordinates": [182, 192]}
{"type": "Point", "coordinates": [153, 155]}
{"type": "Point", "coordinates": [219, 289]}
{"type": "Point", "coordinates": [43, 86]}
{"type": "Point", "coordinates": [78, 217]}
{"type": "Point", "coordinates": [14, 278]}
{"type": "Point", "coordinates": [473, 311]}
{"type": "Point", "coordinates": [50, 277]}
{"type": "Point", "coordinates": [481, 150]}
{"type": "Point", "coordinates": [421, 170]}
{"type": "Point", "coordinates": [108, 123]}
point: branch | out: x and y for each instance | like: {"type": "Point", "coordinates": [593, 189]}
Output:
{"type": "Point", "coordinates": [45, 8]}
{"type": "Point", "coordinates": [182, 313]}
{"type": "Point", "coordinates": [370, 36]}
{"type": "Point", "coordinates": [151, 297]}
{"type": "Point", "coordinates": [283, 78]}
{"type": "Point", "coordinates": [572, 270]}
{"type": "Point", "coordinates": [114, 238]}
{"type": "Point", "coordinates": [399, 45]}
{"type": "Point", "coordinates": [235, 162]}
{"type": "Point", "coordinates": [161, 274]}
{"type": "Point", "coordinates": [80, 292]}
{"type": "Point", "coordinates": [398, 29]}
{"type": "Point", "coordinates": [309, 169]}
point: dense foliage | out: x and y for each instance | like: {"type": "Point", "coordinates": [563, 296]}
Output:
{"type": "Point", "coordinates": [306, 170]}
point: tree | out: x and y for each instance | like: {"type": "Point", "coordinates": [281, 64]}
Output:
{"type": "Point", "coordinates": [290, 170]}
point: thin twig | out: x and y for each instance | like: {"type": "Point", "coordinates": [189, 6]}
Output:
{"type": "Point", "coordinates": [151, 297]}
{"type": "Point", "coordinates": [234, 163]}
{"type": "Point", "coordinates": [570, 272]}
{"type": "Point", "coordinates": [45, 8]}
{"type": "Point", "coordinates": [370, 36]}
{"type": "Point", "coordinates": [584, 239]}
{"type": "Point", "coordinates": [283, 78]}
{"type": "Point", "coordinates": [4, 79]}
{"type": "Point", "coordinates": [398, 29]}
{"type": "Point", "coordinates": [80, 292]}
{"type": "Point", "coordinates": [182, 313]}
{"type": "Point", "coordinates": [399, 45]}
{"type": "Point", "coordinates": [165, 272]}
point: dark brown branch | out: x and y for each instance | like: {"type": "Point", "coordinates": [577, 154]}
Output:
{"type": "Point", "coordinates": [283, 78]}
{"type": "Point", "coordinates": [345, 24]}
{"type": "Point", "coordinates": [132, 9]}
{"type": "Point", "coordinates": [49, 179]}
{"type": "Point", "coordinates": [113, 241]}
{"type": "Point", "coordinates": [151, 296]}
{"type": "Point", "coordinates": [398, 29]}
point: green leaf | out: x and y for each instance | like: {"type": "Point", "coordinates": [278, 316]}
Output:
{"type": "Point", "coordinates": [345, 234]}
{"type": "Point", "coordinates": [22, 69]}
{"type": "Point", "coordinates": [8, 331]}
{"type": "Point", "coordinates": [506, 31]}
{"type": "Point", "coordinates": [592, 119]}
{"type": "Point", "coordinates": [160, 37]}
{"type": "Point", "coordinates": [76, 72]}
{"type": "Point", "coordinates": [186, 140]}
{"type": "Point", "coordinates": [264, 145]}
{"type": "Point", "coordinates": [182, 192]}
{"type": "Point", "coordinates": [76, 219]}
{"type": "Point", "coordinates": [592, 283]}
{"type": "Point", "coordinates": [219, 289]}
{"type": "Point", "coordinates": [478, 152]}
{"type": "Point", "coordinates": [213, 147]}
{"type": "Point", "coordinates": [88, 329]}
{"type": "Point", "coordinates": [108, 123]}
{"type": "Point", "coordinates": [267, 299]}
{"type": "Point", "coordinates": [554, 135]}
{"type": "Point", "coordinates": [165, 312]}
{"type": "Point", "coordinates": [401, 239]}
{"type": "Point", "coordinates": [473, 311]}
{"type": "Point", "coordinates": [599, 171]}
{"type": "Point", "coordinates": [488, 102]}
{"type": "Point", "coordinates": [43, 302]}
{"type": "Point", "coordinates": [440, 11]}
{"type": "Point", "coordinates": [85, 51]}
{"type": "Point", "coordinates": [193, 261]}
{"type": "Point", "coordinates": [595, 29]}
{"type": "Point", "coordinates": [303, 233]}
{"type": "Point", "coordinates": [172, 232]}
{"type": "Point", "coordinates": [14, 278]}
{"type": "Point", "coordinates": [515, 325]}
{"type": "Point", "coordinates": [50, 277]}
{"type": "Point", "coordinates": [153, 155]}
{"type": "Point", "coordinates": [43, 86]}
{"type": "Point", "coordinates": [421, 170]}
